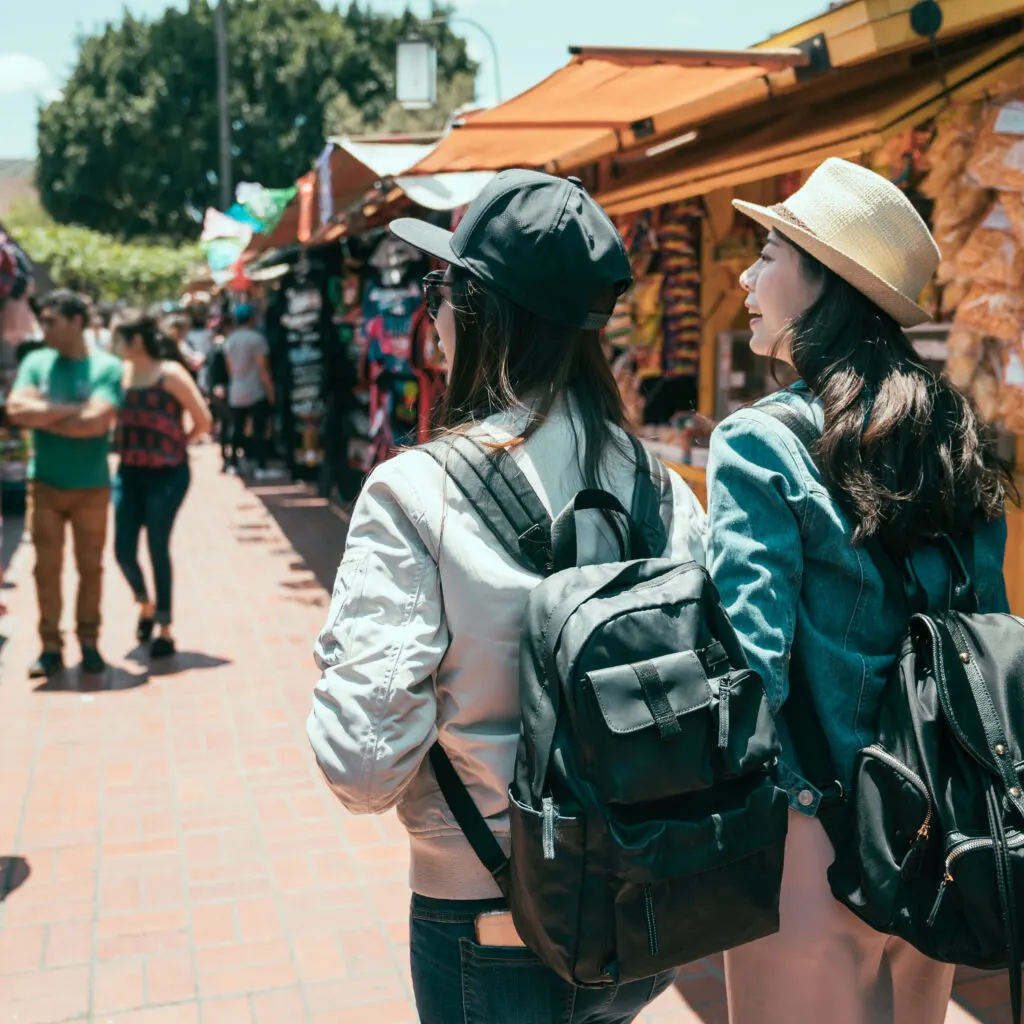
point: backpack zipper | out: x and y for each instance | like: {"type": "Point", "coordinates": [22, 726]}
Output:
{"type": "Point", "coordinates": [969, 846]}
{"type": "Point", "coordinates": [724, 690]}
{"type": "Point", "coordinates": [548, 828]}
{"type": "Point", "coordinates": [652, 927]}
{"type": "Point", "coordinates": [908, 773]}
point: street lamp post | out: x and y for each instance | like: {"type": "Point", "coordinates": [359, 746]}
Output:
{"type": "Point", "coordinates": [447, 20]}
{"type": "Point", "coordinates": [221, 23]}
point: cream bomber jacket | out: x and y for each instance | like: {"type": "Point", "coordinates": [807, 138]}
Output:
{"type": "Point", "coordinates": [422, 641]}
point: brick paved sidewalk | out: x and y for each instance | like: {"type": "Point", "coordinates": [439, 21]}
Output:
{"type": "Point", "coordinates": [168, 851]}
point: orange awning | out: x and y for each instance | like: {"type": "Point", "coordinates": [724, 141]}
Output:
{"type": "Point", "coordinates": [607, 100]}
{"type": "Point", "coordinates": [806, 133]}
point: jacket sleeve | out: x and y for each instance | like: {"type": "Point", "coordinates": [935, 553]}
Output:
{"type": "Point", "coordinates": [374, 709]}
{"type": "Point", "coordinates": [688, 535]}
{"type": "Point", "coordinates": [756, 501]}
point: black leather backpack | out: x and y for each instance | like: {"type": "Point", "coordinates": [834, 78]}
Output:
{"type": "Point", "coordinates": [930, 842]}
{"type": "Point", "coordinates": [647, 829]}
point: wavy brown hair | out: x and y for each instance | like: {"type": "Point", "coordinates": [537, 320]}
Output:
{"type": "Point", "coordinates": [507, 359]}
{"type": "Point", "coordinates": [906, 453]}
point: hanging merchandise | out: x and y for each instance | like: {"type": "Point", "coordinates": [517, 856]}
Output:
{"type": "Point", "coordinates": [389, 304]}
{"type": "Point", "coordinates": [992, 255]}
{"type": "Point", "coordinates": [302, 333]}
{"type": "Point", "coordinates": [265, 205]}
{"type": "Point", "coordinates": [997, 158]}
{"type": "Point", "coordinates": [679, 248]}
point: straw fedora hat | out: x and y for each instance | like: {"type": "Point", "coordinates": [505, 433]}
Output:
{"type": "Point", "coordinates": [862, 227]}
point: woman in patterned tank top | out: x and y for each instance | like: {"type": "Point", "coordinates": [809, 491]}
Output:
{"type": "Point", "coordinates": [153, 477]}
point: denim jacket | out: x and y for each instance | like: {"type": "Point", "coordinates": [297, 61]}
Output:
{"type": "Point", "coordinates": [779, 552]}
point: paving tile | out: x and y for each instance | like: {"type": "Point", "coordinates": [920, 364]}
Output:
{"type": "Point", "coordinates": [21, 949]}
{"type": "Point", "coordinates": [47, 997]}
{"type": "Point", "coordinates": [118, 985]}
{"type": "Point", "coordinates": [170, 978]}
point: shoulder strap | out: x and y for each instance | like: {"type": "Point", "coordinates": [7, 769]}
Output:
{"type": "Point", "coordinates": [469, 818]}
{"type": "Point", "coordinates": [652, 497]}
{"type": "Point", "coordinates": [501, 495]}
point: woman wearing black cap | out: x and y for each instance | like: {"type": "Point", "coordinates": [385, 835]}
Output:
{"type": "Point", "coordinates": [422, 639]}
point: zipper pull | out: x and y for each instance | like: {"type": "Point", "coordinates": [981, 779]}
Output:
{"type": "Point", "coordinates": [723, 713]}
{"type": "Point", "coordinates": [548, 828]}
{"type": "Point", "coordinates": [912, 861]}
{"type": "Point", "coordinates": [946, 879]}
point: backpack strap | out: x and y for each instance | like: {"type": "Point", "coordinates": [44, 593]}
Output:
{"type": "Point", "coordinates": [652, 497]}
{"type": "Point", "coordinates": [470, 820]}
{"type": "Point", "coordinates": [501, 495]}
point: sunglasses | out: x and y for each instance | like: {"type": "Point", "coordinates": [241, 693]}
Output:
{"type": "Point", "coordinates": [433, 292]}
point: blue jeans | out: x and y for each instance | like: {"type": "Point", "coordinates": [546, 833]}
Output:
{"type": "Point", "coordinates": [148, 498]}
{"type": "Point", "coordinates": [457, 980]}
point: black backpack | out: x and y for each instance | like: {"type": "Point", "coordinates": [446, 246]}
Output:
{"type": "Point", "coordinates": [646, 826]}
{"type": "Point", "coordinates": [930, 843]}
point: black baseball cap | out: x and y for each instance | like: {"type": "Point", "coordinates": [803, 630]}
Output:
{"type": "Point", "coordinates": [541, 242]}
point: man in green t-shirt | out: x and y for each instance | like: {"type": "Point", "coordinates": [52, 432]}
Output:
{"type": "Point", "coordinates": [69, 396]}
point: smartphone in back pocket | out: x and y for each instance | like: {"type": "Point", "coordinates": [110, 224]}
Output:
{"type": "Point", "coordinates": [495, 928]}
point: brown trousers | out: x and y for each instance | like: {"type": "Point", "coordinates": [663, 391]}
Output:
{"type": "Point", "coordinates": [825, 965]}
{"type": "Point", "coordinates": [50, 510]}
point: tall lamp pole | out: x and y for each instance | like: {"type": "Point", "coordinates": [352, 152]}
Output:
{"type": "Point", "coordinates": [221, 21]}
{"type": "Point", "coordinates": [447, 20]}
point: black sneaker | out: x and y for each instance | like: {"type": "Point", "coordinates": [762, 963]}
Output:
{"type": "Point", "coordinates": [92, 662]}
{"type": "Point", "coordinates": [49, 663]}
{"type": "Point", "coordinates": [163, 647]}
{"type": "Point", "coordinates": [144, 630]}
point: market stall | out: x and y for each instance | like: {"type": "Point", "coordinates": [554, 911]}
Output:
{"type": "Point", "coordinates": [950, 132]}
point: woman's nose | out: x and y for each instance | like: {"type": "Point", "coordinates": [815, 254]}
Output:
{"type": "Point", "coordinates": [748, 278]}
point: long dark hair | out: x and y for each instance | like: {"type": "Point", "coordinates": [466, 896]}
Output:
{"type": "Point", "coordinates": [508, 359]}
{"type": "Point", "coordinates": [906, 452]}
{"type": "Point", "coordinates": [156, 343]}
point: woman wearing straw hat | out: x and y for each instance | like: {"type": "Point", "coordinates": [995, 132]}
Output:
{"type": "Point", "coordinates": [901, 457]}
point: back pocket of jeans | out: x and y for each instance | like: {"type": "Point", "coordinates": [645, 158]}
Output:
{"type": "Point", "coordinates": [510, 983]}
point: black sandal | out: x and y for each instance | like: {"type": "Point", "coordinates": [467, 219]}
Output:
{"type": "Point", "coordinates": [144, 630]}
{"type": "Point", "coordinates": [163, 647]}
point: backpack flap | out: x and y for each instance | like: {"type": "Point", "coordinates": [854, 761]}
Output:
{"type": "Point", "coordinates": [660, 728]}
{"type": "Point", "coordinates": [978, 662]}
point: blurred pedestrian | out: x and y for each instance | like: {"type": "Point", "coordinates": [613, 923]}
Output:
{"type": "Point", "coordinates": [154, 475]}
{"type": "Point", "coordinates": [69, 396]}
{"type": "Point", "coordinates": [97, 335]}
{"type": "Point", "coordinates": [250, 391]}
{"type": "Point", "coordinates": [217, 381]}
{"type": "Point", "coordinates": [175, 329]}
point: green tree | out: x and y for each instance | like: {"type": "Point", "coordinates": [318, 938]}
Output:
{"type": "Point", "coordinates": [343, 117]}
{"type": "Point", "coordinates": [131, 146]}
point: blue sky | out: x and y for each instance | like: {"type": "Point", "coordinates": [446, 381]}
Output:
{"type": "Point", "coordinates": [38, 41]}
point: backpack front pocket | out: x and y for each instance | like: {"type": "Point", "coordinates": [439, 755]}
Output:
{"type": "Point", "coordinates": [660, 728]}
{"type": "Point", "coordinates": [693, 887]}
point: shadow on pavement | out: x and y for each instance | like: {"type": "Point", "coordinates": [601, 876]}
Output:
{"type": "Point", "coordinates": [14, 871]}
{"type": "Point", "coordinates": [314, 527]}
{"type": "Point", "coordinates": [74, 680]}
{"type": "Point", "coordinates": [185, 661]}
{"type": "Point", "coordinates": [14, 528]}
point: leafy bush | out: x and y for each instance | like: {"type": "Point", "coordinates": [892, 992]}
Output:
{"type": "Point", "coordinates": [105, 269]}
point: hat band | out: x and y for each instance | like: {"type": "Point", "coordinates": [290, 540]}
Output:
{"type": "Point", "coordinates": [783, 212]}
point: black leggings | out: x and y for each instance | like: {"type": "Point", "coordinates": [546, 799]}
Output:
{"type": "Point", "coordinates": [255, 446]}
